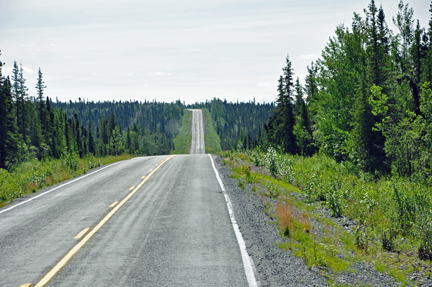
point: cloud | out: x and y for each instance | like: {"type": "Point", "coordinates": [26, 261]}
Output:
{"type": "Point", "coordinates": [153, 74]}
{"type": "Point", "coordinates": [28, 70]}
{"type": "Point", "coordinates": [8, 70]}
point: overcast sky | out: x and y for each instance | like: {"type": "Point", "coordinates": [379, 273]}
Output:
{"type": "Point", "coordinates": [166, 50]}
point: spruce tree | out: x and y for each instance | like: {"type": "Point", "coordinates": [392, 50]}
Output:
{"type": "Point", "coordinates": [91, 141]}
{"type": "Point", "coordinates": [405, 23]}
{"type": "Point", "coordinates": [77, 134]}
{"type": "Point", "coordinates": [299, 97]}
{"type": "Point", "coordinates": [24, 114]}
{"type": "Point", "coordinates": [286, 114]}
{"type": "Point", "coordinates": [42, 110]}
{"type": "Point", "coordinates": [8, 130]}
{"type": "Point", "coordinates": [427, 61]}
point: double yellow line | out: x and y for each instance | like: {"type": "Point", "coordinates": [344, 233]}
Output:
{"type": "Point", "coordinates": [77, 247]}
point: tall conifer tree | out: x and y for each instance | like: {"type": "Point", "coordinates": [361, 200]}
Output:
{"type": "Point", "coordinates": [8, 139]}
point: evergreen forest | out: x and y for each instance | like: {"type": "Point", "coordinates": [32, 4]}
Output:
{"type": "Point", "coordinates": [36, 127]}
{"type": "Point", "coordinates": [367, 100]}
{"type": "Point", "coordinates": [355, 138]}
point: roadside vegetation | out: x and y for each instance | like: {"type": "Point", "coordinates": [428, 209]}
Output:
{"type": "Point", "coordinates": [211, 138]}
{"type": "Point", "coordinates": [333, 215]}
{"type": "Point", "coordinates": [182, 142]}
{"type": "Point", "coordinates": [32, 175]}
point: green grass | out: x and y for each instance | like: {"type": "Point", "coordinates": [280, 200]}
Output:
{"type": "Point", "coordinates": [378, 204]}
{"type": "Point", "coordinates": [34, 175]}
{"type": "Point", "coordinates": [211, 138]}
{"type": "Point", "coordinates": [182, 141]}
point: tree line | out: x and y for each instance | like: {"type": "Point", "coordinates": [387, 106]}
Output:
{"type": "Point", "coordinates": [367, 100]}
{"type": "Point", "coordinates": [238, 124]}
{"type": "Point", "coordinates": [37, 127]}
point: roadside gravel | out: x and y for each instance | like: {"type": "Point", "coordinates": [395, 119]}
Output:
{"type": "Point", "coordinates": [275, 267]}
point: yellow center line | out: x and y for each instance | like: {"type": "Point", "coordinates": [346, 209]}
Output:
{"type": "Point", "coordinates": [84, 231]}
{"type": "Point", "coordinates": [83, 241]}
{"type": "Point", "coordinates": [142, 177]}
{"type": "Point", "coordinates": [151, 170]}
{"type": "Point", "coordinates": [113, 204]}
{"type": "Point", "coordinates": [132, 187]}
{"type": "Point", "coordinates": [26, 285]}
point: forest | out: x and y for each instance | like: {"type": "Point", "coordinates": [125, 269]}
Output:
{"type": "Point", "coordinates": [355, 141]}
{"type": "Point", "coordinates": [36, 127]}
{"type": "Point", "coordinates": [366, 100]}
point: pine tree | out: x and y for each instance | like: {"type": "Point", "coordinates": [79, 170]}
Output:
{"type": "Point", "coordinates": [67, 135]}
{"type": "Point", "coordinates": [377, 48]}
{"type": "Point", "coordinates": [299, 97]}
{"type": "Point", "coordinates": [311, 85]}
{"type": "Point", "coordinates": [404, 22]}
{"type": "Point", "coordinates": [128, 141]}
{"type": "Point", "coordinates": [284, 112]}
{"type": "Point", "coordinates": [24, 114]}
{"type": "Point", "coordinates": [8, 139]}
{"type": "Point", "coordinates": [77, 138]}
{"type": "Point", "coordinates": [91, 141]}
{"type": "Point", "coordinates": [42, 110]}
{"type": "Point", "coordinates": [427, 65]}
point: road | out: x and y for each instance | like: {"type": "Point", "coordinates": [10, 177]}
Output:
{"type": "Point", "coordinates": [149, 221]}
{"type": "Point", "coordinates": [198, 144]}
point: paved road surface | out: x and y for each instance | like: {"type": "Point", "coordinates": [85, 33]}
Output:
{"type": "Point", "coordinates": [198, 144]}
{"type": "Point", "coordinates": [170, 227]}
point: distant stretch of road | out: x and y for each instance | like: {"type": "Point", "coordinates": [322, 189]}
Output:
{"type": "Point", "coordinates": [149, 221]}
{"type": "Point", "coordinates": [198, 144]}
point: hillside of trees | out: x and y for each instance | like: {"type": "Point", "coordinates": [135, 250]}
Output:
{"type": "Point", "coordinates": [367, 100]}
{"type": "Point", "coordinates": [36, 127]}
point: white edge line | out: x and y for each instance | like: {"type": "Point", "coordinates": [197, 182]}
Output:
{"type": "Point", "coordinates": [42, 194]}
{"type": "Point", "coordinates": [250, 276]}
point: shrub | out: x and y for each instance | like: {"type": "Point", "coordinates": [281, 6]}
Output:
{"type": "Point", "coordinates": [425, 249]}
{"type": "Point", "coordinates": [387, 240]}
{"type": "Point", "coordinates": [335, 200]}
{"type": "Point", "coordinates": [361, 238]}
{"type": "Point", "coordinates": [270, 161]}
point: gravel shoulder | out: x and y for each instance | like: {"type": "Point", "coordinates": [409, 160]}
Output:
{"type": "Point", "coordinates": [275, 267]}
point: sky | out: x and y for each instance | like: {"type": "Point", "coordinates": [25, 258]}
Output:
{"type": "Point", "coordinates": [168, 50]}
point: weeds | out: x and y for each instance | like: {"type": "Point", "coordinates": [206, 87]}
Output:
{"type": "Point", "coordinates": [334, 200]}
{"type": "Point", "coordinates": [33, 175]}
{"type": "Point", "coordinates": [361, 238]}
{"type": "Point", "coordinates": [393, 213]}
{"type": "Point", "coordinates": [267, 205]}
{"type": "Point", "coordinates": [284, 213]}
{"type": "Point", "coordinates": [241, 183]}
{"type": "Point", "coordinates": [425, 249]}
{"type": "Point", "coordinates": [387, 240]}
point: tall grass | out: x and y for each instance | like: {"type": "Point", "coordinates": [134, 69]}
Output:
{"type": "Point", "coordinates": [284, 212]}
{"type": "Point", "coordinates": [385, 205]}
{"type": "Point", "coordinates": [33, 175]}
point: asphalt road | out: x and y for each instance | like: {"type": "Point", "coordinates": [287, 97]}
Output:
{"type": "Point", "coordinates": [170, 227]}
{"type": "Point", "coordinates": [198, 144]}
